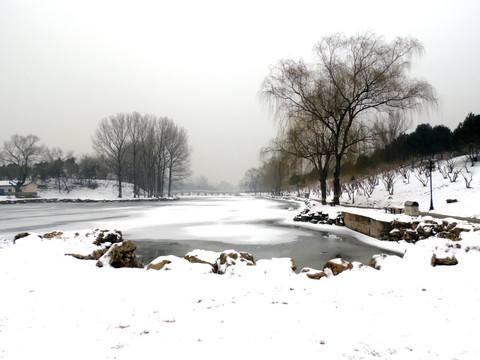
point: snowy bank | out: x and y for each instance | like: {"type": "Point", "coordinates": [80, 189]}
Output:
{"type": "Point", "coordinates": [56, 306]}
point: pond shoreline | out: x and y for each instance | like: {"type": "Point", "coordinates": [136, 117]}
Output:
{"type": "Point", "coordinates": [67, 200]}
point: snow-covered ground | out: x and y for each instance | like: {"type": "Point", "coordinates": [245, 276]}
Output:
{"type": "Point", "coordinates": [443, 190]}
{"type": "Point", "coordinates": [55, 306]}
{"type": "Point", "coordinates": [104, 190]}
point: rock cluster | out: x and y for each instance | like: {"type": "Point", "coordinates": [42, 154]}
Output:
{"type": "Point", "coordinates": [318, 217]}
{"type": "Point", "coordinates": [119, 255]}
{"type": "Point", "coordinates": [331, 268]}
{"type": "Point", "coordinates": [218, 263]}
{"type": "Point", "coordinates": [107, 236]}
{"type": "Point", "coordinates": [419, 230]}
{"type": "Point", "coordinates": [113, 250]}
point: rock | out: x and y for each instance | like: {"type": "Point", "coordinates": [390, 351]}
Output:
{"type": "Point", "coordinates": [401, 225]}
{"type": "Point", "coordinates": [203, 257]}
{"type": "Point", "coordinates": [95, 255]}
{"type": "Point", "coordinates": [425, 231]}
{"type": "Point", "coordinates": [80, 257]}
{"type": "Point", "coordinates": [316, 276]}
{"type": "Point", "coordinates": [53, 234]}
{"type": "Point", "coordinates": [120, 255]}
{"type": "Point", "coordinates": [410, 236]}
{"type": "Point", "coordinates": [107, 236]}
{"type": "Point", "coordinates": [448, 235]}
{"type": "Point", "coordinates": [337, 266]}
{"type": "Point", "coordinates": [395, 235]}
{"type": "Point", "coordinates": [20, 235]}
{"type": "Point", "coordinates": [159, 266]}
{"type": "Point", "coordinates": [313, 273]}
{"type": "Point", "coordinates": [231, 258]}
{"type": "Point", "coordinates": [306, 218]}
{"type": "Point", "coordinates": [457, 230]}
{"type": "Point", "coordinates": [376, 260]}
{"type": "Point", "coordinates": [294, 264]}
{"type": "Point", "coordinates": [444, 260]}
{"type": "Point", "coordinates": [339, 220]}
{"type": "Point", "coordinates": [175, 263]}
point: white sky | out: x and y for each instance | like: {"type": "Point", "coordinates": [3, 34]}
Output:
{"type": "Point", "coordinates": [65, 65]}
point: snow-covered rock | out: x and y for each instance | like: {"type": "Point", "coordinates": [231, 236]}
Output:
{"type": "Point", "coordinates": [120, 255]}
{"type": "Point", "coordinates": [179, 265]}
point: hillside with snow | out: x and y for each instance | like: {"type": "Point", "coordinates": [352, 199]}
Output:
{"type": "Point", "coordinates": [452, 186]}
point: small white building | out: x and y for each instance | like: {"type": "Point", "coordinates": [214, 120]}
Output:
{"type": "Point", "coordinates": [27, 189]}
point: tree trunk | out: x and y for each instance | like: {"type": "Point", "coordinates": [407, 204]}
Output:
{"type": "Point", "coordinates": [323, 188]}
{"type": "Point", "coordinates": [337, 189]}
{"type": "Point", "coordinates": [135, 185]}
{"type": "Point", "coordinates": [119, 184]}
{"type": "Point", "coordinates": [170, 178]}
{"type": "Point", "coordinates": [162, 179]}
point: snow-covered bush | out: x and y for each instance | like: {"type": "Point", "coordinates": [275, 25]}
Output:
{"type": "Point", "coordinates": [422, 175]}
{"type": "Point", "coordinates": [389, 178]}
{"type": "Point", "coordinates": [468, 179]}
{"type": "Point", "coordinates": [404, 172]}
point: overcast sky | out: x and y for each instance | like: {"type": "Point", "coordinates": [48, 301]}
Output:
{"type": "Point", "coordinates": [65, 65]}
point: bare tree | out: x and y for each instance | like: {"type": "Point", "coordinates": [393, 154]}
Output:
{"type": "Point", "coordinates": [57, 161]}
{"type": "Point", "coordinates": [468, 177]}
{"type": "Point", "coordinates": [111, 142]}
{"type": "Point", "coordinates": [387, 127]}
{"type": "Point", "coordinates": [422, 175]}
{"type": "Point", "coordinates": [178, 156]}
{"type": "Point", "coordinates": [136, 126]}
{"type": "Point", "coordinates": [276, 165]}
{"type": "Point", "coordinates": [251, 180]}
{"type": "Point", "coordinates": [307, 138]}
{"type": "Point", "coordinates": [20, 151]}
{"type": "Point", "coordinates": [389, 178]}
{"type": "Point", "coordinates": [90, 168]}
{"type": "Point", "coordinates": [452, 170]}
{"type": "Point", "coordinates": [368, 184]}
{"type": "Point", "coordinates": [404, 171]}
{"type": "Point", "coordinates": [165, 138]}
{"type": "Point", "coordinates": [443, 170]}
{"type": "Point", "coordinates": [453, 175]}
{"type": "Point", "coordinates": [352, 80]}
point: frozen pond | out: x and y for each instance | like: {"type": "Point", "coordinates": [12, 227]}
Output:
{"type": "Point", "coordinates": [162, 228]}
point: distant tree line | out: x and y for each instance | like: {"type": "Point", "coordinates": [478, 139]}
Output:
{"type": "Point", "coordinates": [148, 151]}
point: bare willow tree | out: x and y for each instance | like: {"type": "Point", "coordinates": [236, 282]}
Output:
{"type": "Point", "coordinates": [275, 169]}
{"type": "Point", "coordinates": [306, 138]}
{"type": "Point", "coordinates": [111, 142]}
{"type": "Point", "coordinates": [251, 180]}
{"type": "Point", "coordinates": [20, 151]}
{"type": "Point", "coordinates": [386, 128]}
{"type": "Point", "coordinates": [351, 80]}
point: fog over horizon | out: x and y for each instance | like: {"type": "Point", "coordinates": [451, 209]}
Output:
{"type": "Point", "coordinates": [67, 65]}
